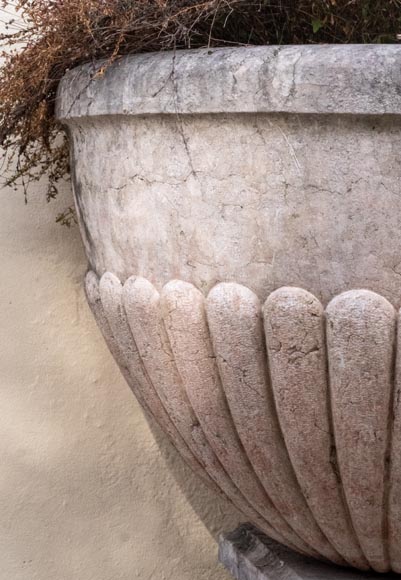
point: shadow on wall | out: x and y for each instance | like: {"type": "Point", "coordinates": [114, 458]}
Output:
{"type": "Point", "coordinates": [84, 490]}
{"type": "Point", "coordinates": [216, 513]}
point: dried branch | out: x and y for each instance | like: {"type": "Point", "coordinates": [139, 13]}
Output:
{"type": "Point", "coordinates": [49, 37]}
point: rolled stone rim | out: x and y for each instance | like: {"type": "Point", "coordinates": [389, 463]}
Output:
{"type": "Point", "coordinates": [320, 79]}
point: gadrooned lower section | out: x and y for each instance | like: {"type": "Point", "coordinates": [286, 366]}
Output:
{"type": "Point", "coordinates": [290, 410]}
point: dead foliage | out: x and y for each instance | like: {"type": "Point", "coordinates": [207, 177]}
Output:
{"type": "Point", "coordinates": [51, 36]}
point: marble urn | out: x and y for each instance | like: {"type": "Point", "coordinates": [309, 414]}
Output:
{"type": "Point", "coordinates": [241, 214]}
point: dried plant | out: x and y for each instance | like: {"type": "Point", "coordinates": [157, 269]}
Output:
{"type": "Point", "coordinates": [51, 36]}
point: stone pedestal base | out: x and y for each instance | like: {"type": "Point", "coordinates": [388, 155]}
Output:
{"type": "Point", "coordinates": [250, 555]}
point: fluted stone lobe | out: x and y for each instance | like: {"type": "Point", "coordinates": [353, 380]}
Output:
{"type": "Point", "coordinates": [295, 335]}
{"type": "Point", "coordinates": [285, 408]}
{"type": "Point", "coordinates": [236, 326]}
{"type": "Point", "coordinates": [361, 350]}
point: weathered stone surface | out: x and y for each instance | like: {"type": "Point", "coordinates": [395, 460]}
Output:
{"type": "Point", "coordinates": [123, 345]}
{"type": "Point", "coordinates": [225, 197]}
{"type": "Point", "coordinates": [359, 80]}
{"type": "Point", "coordinates": [235, 322]}
{"type": "Point", "coordinates": [250, 555]}
{"type": "Point", "coordinates": [290, 190]}
{"type": "Point", "coordinates": [295, 336]}
{"type": "Point", "coordinates": [184, 315]}
{"type": "Point", "coordinates": [360, 341]}
{"type": "Point", "coordinates": [267, 201]}
{"type": "Point", "coordinates": [142, 305]}
{"type": "Point", "coordinates": [394, 516]}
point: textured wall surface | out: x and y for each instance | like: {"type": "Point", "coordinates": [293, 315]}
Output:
{"type": "Point", "coordinates": [85, 493]}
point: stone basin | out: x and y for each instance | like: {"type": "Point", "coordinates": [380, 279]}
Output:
{"type": "Point", "coordinates": [241, 214]}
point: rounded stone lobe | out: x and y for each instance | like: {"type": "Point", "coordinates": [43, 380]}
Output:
{"type": "Point", "coordinates": [144, 315]}
{"type": "Point", "coordinates": [361, 328]}
{"type": "Point", "coordinates": [184, 314]}
{"type": "Point", "coordinates": [111, 290]}
{"type": "Point", "coordinates": [295, 337]}
{"type": "Point", "coordinates": [236, 326]}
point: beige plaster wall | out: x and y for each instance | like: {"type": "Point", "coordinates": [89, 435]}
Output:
{"type": "Point", "coordinates": [85, 492]}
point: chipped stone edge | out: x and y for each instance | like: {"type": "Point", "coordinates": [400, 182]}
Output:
{"type": "Point", "coordinates": [248, 554]}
